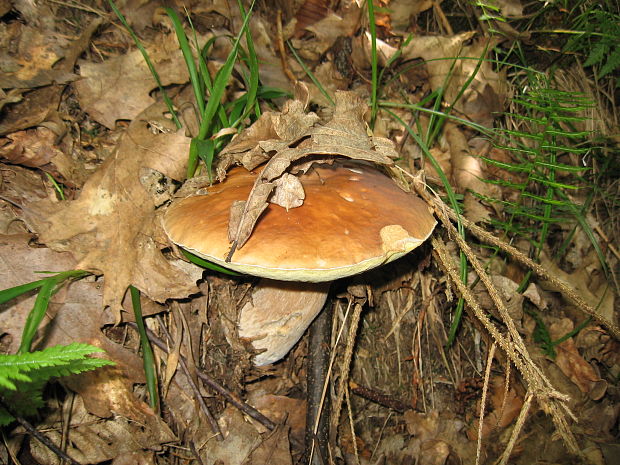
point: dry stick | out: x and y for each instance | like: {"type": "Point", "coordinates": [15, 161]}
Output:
{"type": "Point", "coordinates": [195, 453]}
{"type": "Point", "coordinates": [43, 439]}
{"type": "Point", "coordinates": [215, 427]}
{"type": "Point", "coordinates": [281, 49]}
{"type": "Point", "coordinates": [379, 398]}
{"type": "Point", "coordinates": [519, 256]}
{"type": "Point", "coordinates": [317, 410]}
{"type": "Point", "coordinates": [601, 233]}
{"type": "Point", "coordinates": [537, 383]}
{"type": "Point", "coordinates": [332, 358]}
{"type": "Point", "coordinates": [345, 367]}
{"type": "Point", "coordinates": [442, 16]}
{"type": "Point", "coordinates": [518, 425]}
{"type": "Point", "coordinates": [229, 396]}
{"type": "Point", "coordinates": [352, 426]}
{"type": "Point", "coordinates": [483, 401]}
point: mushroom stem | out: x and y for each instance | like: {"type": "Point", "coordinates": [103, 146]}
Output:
{"type": "Point", "coordinates": [278, 314]}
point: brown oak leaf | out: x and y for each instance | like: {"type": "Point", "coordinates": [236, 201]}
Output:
{"type": "Point", "coordinates": [112, 228]}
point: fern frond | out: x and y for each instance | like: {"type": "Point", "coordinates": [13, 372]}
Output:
{"type": "Point", "coordinates": [57, 360]}
{"type": "Point", "coordinates": [545, 130]}
{"type": "Point", "coordinates": [22, 376]}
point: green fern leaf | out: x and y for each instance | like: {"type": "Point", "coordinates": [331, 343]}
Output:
{"type": "Point", "coordinates": [23, 376]}
{"type": "Point", "coordinates": [596, 54]}
{"type": "Point", "coordinates": [612, 64]}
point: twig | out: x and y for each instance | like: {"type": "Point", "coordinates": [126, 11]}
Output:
{"type": "Point", "coordinates": [229, 396]}
{"type": "Point", "coordinates": [380, 398]}
{"type": "Point", "coordinates": [317, 411]}
{"type": "Point", "coordinates": [606, 239]}
{"type": "Point", "coordinates": [442, 16]}
{"type": "Point", "coordinates": [195, 453]}
{"type": "Point", "coordinates": [281, 50]}
{"type": "Point", "coordinates": [201, 402]}
{"type": "Point", "coordinates": [518, 425]}
{"type": "Point", "coordinates": [483, 400]}
{"type": "Point", "coordinates": [346, 366]}
{"type": "Point", "coordinates": [47, 442]}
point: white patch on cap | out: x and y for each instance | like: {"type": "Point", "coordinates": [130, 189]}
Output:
{"type": "Point", "coordinates": [345, 195]}
{"type": "Point", "coordinates": [396, 240]}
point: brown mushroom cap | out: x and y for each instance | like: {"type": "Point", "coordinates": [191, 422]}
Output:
{"type": "Point", "coordinates": [353, 218]}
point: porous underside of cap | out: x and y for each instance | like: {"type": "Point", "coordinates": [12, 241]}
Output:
{"type": "Point", "coordinates": [353, 218]}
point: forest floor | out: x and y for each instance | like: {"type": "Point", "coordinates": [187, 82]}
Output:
{"type": "Point", "coordinates": [504, 110]}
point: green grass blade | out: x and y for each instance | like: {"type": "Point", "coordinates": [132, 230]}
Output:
{"type": "Point", "coordinates": [196, 260]}
{"type": "Point", "coordinates": [311, 75]}
{"type": "Point", "coordinates": [206, 79]}
{"type": "Point", "coordinates": [148, 62]}
{"type": "Point", "coordinates": [219, 86]}
{"type": "Point", "coordinates": [48, 287]}
{"type": "Point", "coordinates": [11, 293]}
{"type": "Point", "coordinates": [455, 206]}
{"type": "Point", "coordinates": [147, 352]}
{"type": "Point", "coordinates": [252, 62]}
{"type": "Point", "coordinates": [186, 49]}
{"type": "Point", "coordinates": [36, 315]}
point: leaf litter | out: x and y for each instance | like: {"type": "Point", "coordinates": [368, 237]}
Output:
{"type": "Point", "coordinates": [112, 229]}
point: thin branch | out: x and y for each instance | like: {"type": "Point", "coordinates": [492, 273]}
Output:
{"type": "Point", "coordinates": [47, 442]}
{"type": "Point", "coordinates": [229, 396]}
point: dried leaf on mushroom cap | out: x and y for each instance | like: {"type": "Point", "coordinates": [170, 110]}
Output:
{"type": "Point", "coordinates": [279, 128]}
{"type": "Point", "coordinates": [345, 135]}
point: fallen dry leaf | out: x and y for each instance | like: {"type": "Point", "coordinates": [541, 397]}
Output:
{"type": "Point", "coordinates": [112, 227]}
{"type": "Point", "coordinates": [403, 11]}
{"type": "Point", "coordinates": [326, 31]}
{"type": "Point", "coordinates": [466, 168]}
{"type": "Point", "coordinates": [18, 187]}
{"type": "Point", "coordinates": [510, 8]}
{"type": "Point", "coordinates": [271, 73]}
{"type": "Point", "coordinates": [41, 104]}
{"type": "Point", "coordinates": [143, 457]}
{"type": "Point", "coordinates": [436, 435]}
{"type": "Point", "coordinates": [19, 263]}
{"type": "Point", "coordinates": [275, 450]}
{"type": "Point", "coordinates": [280, 408]}
{"type": "Point", "coordinates": [573, 365]}
{"type": "Point", "coordinates": [581, 279]}
{"type": "Point", "coordinates": [484, 96]}
{"type": "Point", "coordinates": [344, 135]}
{"type": "Point", "coordinates": [120, 87]}
{"type": "Point", "coordinates": [37, 148]}
{"type": "Point", "coordinates": [503, 411]}
{"type": "Point", "coordinates": [288, 192]}
{"type": "Point", "coordinates": [33, 147]}
{"type": "Point", "coordinates": [74, 316]}
{"type": "Point", "coordinates": [309, 13]}
{"type": "Point", "coordinates": [31, 57]}
{"type": "Point", "coordinates": [241, 438]}
{"type": "Point", "coordinates": [93, 440]}
{"type": "Point", "coordinates": [274, 129]}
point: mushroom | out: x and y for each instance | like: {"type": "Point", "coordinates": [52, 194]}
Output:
{"type": "Point", "coordinates": [353, 218]}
